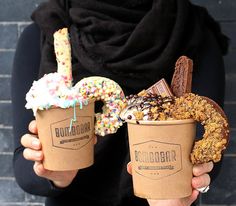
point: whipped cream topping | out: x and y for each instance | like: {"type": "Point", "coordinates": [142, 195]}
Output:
{"type": "Point", "coordinates": [52, 91]}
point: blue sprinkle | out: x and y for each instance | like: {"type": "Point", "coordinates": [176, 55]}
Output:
{"type": "Point", "coordinates": [80, 104]}
{"type": "Point", "coordinates": [86, 102]}
{"type": "Point", "coordinates": [74, 118]}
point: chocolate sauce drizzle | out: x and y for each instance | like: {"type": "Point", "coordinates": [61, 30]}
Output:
{"type": "Point", "coordinates": [149, 103]}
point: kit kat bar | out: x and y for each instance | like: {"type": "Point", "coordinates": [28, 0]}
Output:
{"type": "Point", "coordinates": [160, 88]}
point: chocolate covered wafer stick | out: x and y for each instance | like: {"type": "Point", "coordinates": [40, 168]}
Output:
{"type": "Point", "coordinates": [182, 79]}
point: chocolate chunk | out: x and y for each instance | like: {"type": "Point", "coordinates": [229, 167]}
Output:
{"type": "Point", "coordinates": [160, 88]}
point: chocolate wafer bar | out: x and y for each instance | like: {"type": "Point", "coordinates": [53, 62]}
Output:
{"type": "Point", "coordinates": [182, 79]}
{"type": "Point", "coordinates": [160, 88]}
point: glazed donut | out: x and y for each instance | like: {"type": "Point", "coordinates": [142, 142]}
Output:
{"type": "Point", "coordinates": [212, 117]}
{"type": "Point", "coordinates": [111, 94]}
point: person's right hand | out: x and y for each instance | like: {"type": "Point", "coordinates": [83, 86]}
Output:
{"type": "Point", "coordinates": [33, 151]}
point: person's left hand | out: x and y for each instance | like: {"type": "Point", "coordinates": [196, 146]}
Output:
{"type": "Point", "coordinates": [201, 179]}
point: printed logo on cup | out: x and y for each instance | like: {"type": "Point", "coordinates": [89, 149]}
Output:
{"type": "Point", "coordinates": [156, 160]}
{"type": "Point", "coordinates": [73, 138]}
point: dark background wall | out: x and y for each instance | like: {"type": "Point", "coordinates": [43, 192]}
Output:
{"type": "Point", "coordinates": [15, 15]}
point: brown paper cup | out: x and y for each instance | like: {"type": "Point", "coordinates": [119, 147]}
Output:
{"type": "Point", "coordinates": [65, 147]}
{"type": "Point", "coordinates": [160, 156]}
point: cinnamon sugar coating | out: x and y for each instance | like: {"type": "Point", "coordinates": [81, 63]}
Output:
{"type": "Point", "coordinates": [216, 127]}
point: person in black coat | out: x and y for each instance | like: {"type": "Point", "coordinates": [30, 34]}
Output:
{"type": "Point", "coordinates": [135, 43]}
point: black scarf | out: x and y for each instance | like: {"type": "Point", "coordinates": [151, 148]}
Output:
{"type": "Point", "coordinates": [134, 42]}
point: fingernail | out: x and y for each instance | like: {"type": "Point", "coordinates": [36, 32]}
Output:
{"type": "Point", "coordinates": [30, 126]}
{"type": "Point", "coordinates": [38, 154]}
{"type": "Point", "coordinates": [35, 143]}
